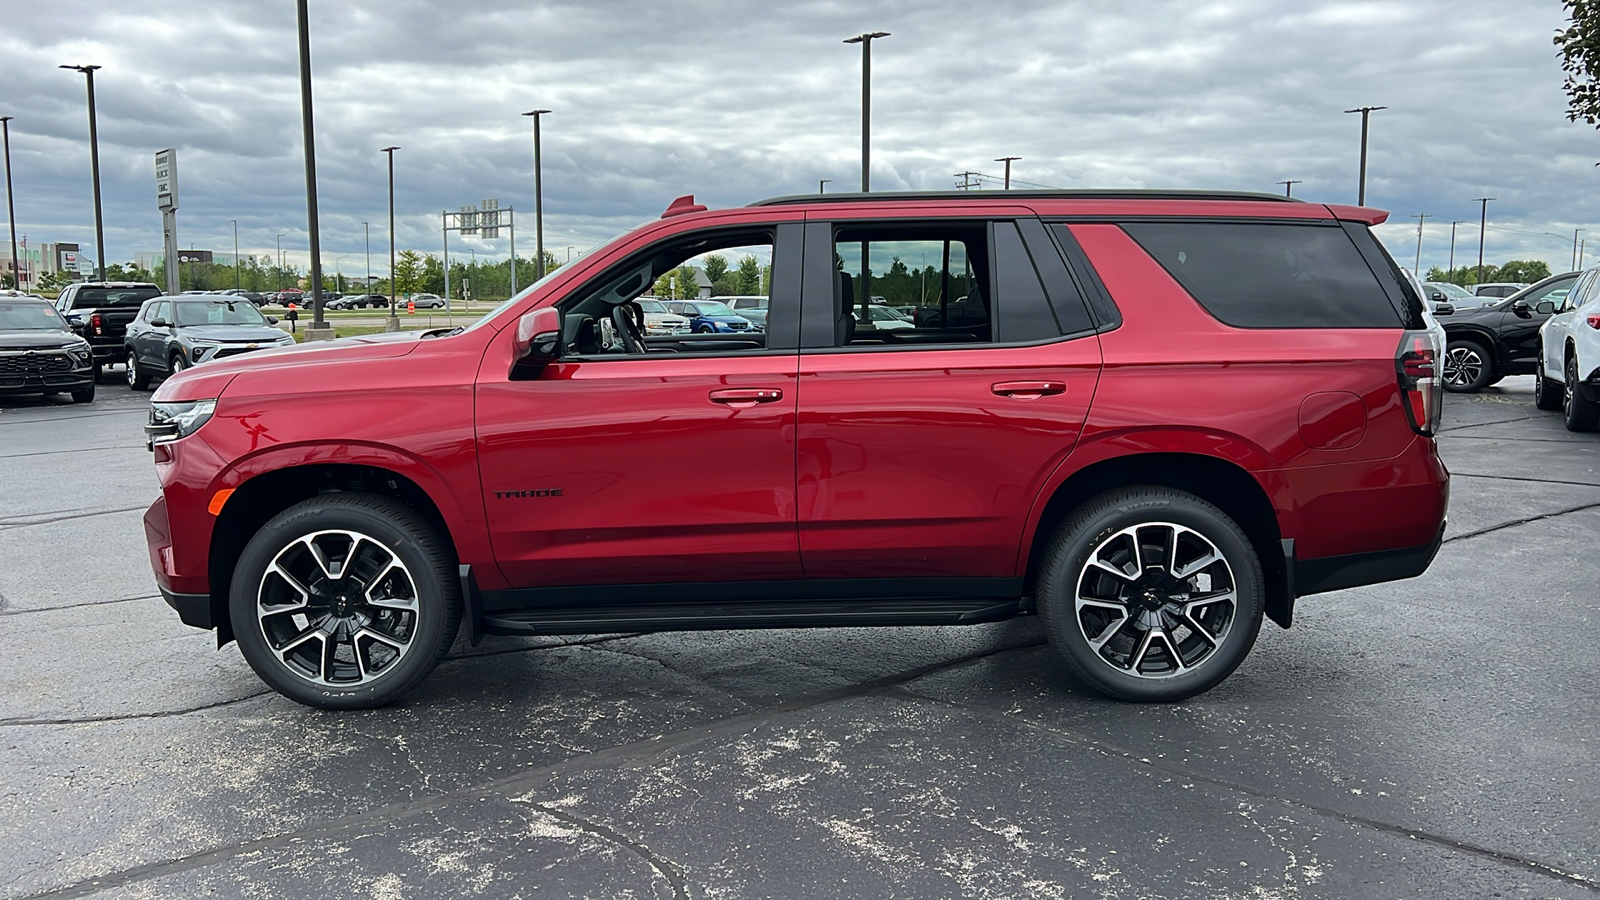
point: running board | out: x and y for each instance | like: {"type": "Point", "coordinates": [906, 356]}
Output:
{"type": "Point", "coordinates": [748, 614]}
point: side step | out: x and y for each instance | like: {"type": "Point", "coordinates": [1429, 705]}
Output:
{"type": "Point", "coordinates": [749, 614]}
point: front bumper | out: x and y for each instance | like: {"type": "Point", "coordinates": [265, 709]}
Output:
{"type": "Point", "coordinates": [43, 372]}
{"type": "Point", "coordinates": [202, 353]}
{"type": "Point", "coordinates": [47, 384]}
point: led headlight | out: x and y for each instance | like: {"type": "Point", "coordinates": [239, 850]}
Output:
{"type": "Point", "coordinates": [171, 421]}
{"type": "Point", "coordinates": [79, 353]}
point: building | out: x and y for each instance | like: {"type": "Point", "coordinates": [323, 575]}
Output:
{"type": "Point", "coordinates": [39, 260]}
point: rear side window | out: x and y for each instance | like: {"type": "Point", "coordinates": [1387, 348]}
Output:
{"type": "Point", "coordinates": [101, 297]}
{"type": "Point", "coordinates": [1255, 275]}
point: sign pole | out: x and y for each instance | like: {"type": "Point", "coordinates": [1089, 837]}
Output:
{"type": "Point", "coordinates": [167, 202]}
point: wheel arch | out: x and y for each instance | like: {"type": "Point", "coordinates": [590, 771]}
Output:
{"type": "Point", "coordinates": [1222, 483]}
{"type": "Point", "coordinates": [263, 496]}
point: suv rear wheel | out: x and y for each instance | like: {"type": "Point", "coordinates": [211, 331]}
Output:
{"type": "Point", "coordinates": [1468, 368]}
{"type": "Point", "coordinates": [1581, 413]}
{"type": "Point", "coordinates": [345, 601]}
{"type": "Point", "coordinates": [1547, 392]}
{"type": "Point", "coordinates": [1151, 594]}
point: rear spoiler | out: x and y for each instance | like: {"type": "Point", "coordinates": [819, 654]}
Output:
{"type": "Point", "coordinates": [1364, 214]}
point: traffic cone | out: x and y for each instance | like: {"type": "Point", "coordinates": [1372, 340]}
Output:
{"type": "Point", "coordinates": [411, 307]}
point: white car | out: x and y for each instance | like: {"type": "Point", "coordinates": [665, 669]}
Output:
{"type": "Point", "coordinates": [658, 320]}
{"type": "Point", "coordinates": [1569, 356]}
{"type": "Point", "coordinates": [883, 318]}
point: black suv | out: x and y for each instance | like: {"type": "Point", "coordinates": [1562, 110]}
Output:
{"type": "Point", "coordinates": [100, 311]}
{"type": "Point", "coordinates": [1489, 343]}
{"type": "Point", "coordinates": [39, 354]}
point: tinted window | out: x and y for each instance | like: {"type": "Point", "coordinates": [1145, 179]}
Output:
{"type": "Point", "coordinates": [102, 297]}
{"type": "Point", "coordinates": [1270, 275]}
{"type": "Point", "coordinates": [29, 315]}
{"type": "Point", "coordinates": [218, 312]}
{"type": "Point", "coordinates": [940, 271]}
{"type": "Point", "coordinates": [1023, 313]}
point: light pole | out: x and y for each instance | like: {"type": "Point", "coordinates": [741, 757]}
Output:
{"type": "Point", "coordinates": [538, 195]}
{"type": "Point", "coordinates": [1483, 222]}
{"type": "Point", "coordinates": [236, 279]}
{"type": "Point", "coordinates": [1574, 242]}
{"type": "Point", "coordinates": [366, 230]}
{"type": "Point", "coordinates": [319, 330]}
{"type": "Point", "coordinates": [822, 185]}
{"type": "Point", "coordinates": [280, 264]}
{"type": "Point", "coordinates": [1008, 160]}
{"type": "Point", "coordinates": [94, 168]}
{"type": "Point", "coordinates": [865, 40]}
{"type": "Point", "coordinates": [394, 322]}
{"type": "Point", "coordinates": [11, 209]}
{"type": "Point", "coordinates": [1421, 220]}
{"type": "Point", "coordinates": [1366, 111]}
{"type": "Point", "coordinates": [1288, 186]}
{"type": "Point", "coordinates": [1453, 248]}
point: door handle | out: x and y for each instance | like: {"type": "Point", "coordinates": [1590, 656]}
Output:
{"type": "Point", "coordinates": [1029, 390]}
{"type": "Point", "coordinates": [744, 398]}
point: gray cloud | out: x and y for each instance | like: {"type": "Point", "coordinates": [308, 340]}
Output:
{"type": "Point", "coordinates": [734, 101]}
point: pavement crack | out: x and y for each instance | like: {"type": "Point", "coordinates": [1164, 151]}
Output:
{"type": "Point", "coordinates": [1115, 752]}
{"type": "Point", "coordinates": [64, 516]}
{"type": "Point", "coordinates": [666, 868]}
{"type": "Point", "coordinates": [1523, 521]}
{"type": "Point", "coordinates": [1520, 478]}
{"type": "Point", "coordinates": [73, 450]}
{"type": "Point", "coordinates": [45, 609]}
{"type": "Point", "coordinates": [1486, 424]}
{"type": "Point", "coordinates": [698, 679]}
{"type": "Point", "coordinates": [519, 784]}
{"type": "Point", "coordinates": [164, 714]}
{"type": "Point", "coordinates": [587, 642]}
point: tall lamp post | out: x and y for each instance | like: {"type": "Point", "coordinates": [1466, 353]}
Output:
{"type": "Point", "coordinates": [1366, 111]}
{"type": "Point", "coordinates": [1483, 221]}
{"type": "Point", "coordinates": [320, 330]}
{"type": "Point", "coordinates": [394, 321]}
{"type": "Point", "coordinates": [1453, 247]}
{"type": "Point", "coordinates": [11, 209]}
{"type": "Point", "coordinates": [366, 231]}
{"type": "Point", "coordinates": [236, 278]}
{"type": "Point", "coordinates": [1288, 186]}
{"type": "Point", "coordinates": [1008, 160]}
{"type": "Point", "coordinates": [94, 168]}
{"type": "Point", "coordinates": [865, 40]}
{"type": "Point", "coordinates": [822, 184]}
{"type": "Point", "coordinates": [280, 264]}
{"type": "Point", "coordinates": [538, 195]}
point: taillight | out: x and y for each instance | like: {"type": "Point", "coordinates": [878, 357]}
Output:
{"type": "Point", "coordinates": [1594, 322]}
{"type": "Point", "coordinates": [95, 323]}
{"type": "Point", "coordinates": [1416, 364]}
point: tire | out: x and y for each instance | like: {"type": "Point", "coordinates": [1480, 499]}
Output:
{"type": "Point", "coordinates": [1580, 414]}
{"type": "Point", "coordinates": [1547, 394]}
{"type": "Point", "coordinates": [282, 601]}
{"type": "Point", "coordinates": [84, 396]}
{"type": "Point", "coordinates": [1100, 622]}
{"type": "Point", "coordinates": [178, 363]}
{"type": "Point", "coordinates": [1468, 367]}
{"type": "Point", "coordinates": [99, 370]}
{"type": "Point", "coordinates": [703, 329]}
{"type": "Point", "coordinates": [138, 378]}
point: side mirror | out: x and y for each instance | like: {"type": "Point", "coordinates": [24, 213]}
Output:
{"type": "Point", "coordinates": [160, 323]}
{"type": "Point", "coordinates": [272, 320]}
{"type": "Point", "coordinates": [1545, 308]}
{"type": "Point", "coordinates": [538, 338]}
{"type": "Point", "coordinates": [1444, 309]}
{"type": "Point", "coordinates": [1521, 308]}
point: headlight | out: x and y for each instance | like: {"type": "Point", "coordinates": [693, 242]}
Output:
{"type": "Point", "coordinates": [202, 342]}
{"type": "Point", "coordinates": [79, 354]}
{"type": "Point", "coordinates": [171, 421]}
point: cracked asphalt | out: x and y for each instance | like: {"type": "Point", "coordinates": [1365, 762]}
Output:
{"type": "Point", "coordinates": [1435, 737]}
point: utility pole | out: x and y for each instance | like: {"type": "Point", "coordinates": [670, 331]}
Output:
{"type": "Point", "coordinates": [1422, 219]}
{"type": "Point", "coordinates": [394, 322]}
{"type": "Point", "coordinates": [966, 181]}
{"type": "Point", "coordinates": [821, 185]}
{"type": "Point", "coordinates": [236, 279]}
{"type": "Point", "coordinates": [1008, 160]}
{"type": "Point", "coordinates": [94, 168]}
{"type": "Point", "coordinates": [1483, 222]}
{"type": "Point", "coordinates": [11, 208]}
{"type": "Point", "coordinates": [1366, 111]}
{"type": "Point", "coordinates": [1288, 186]}
{"type": "Point", "coordinates": [865, 40]}
{"type": "Point", "coordinates": [280, 263]}
{"type": "Point", "coordinates": [1575, 247]}
{"type": "Point", "coordinates": [1453, 246]}
{"type": "Point", "coordinates": [366, 230]}
{"type": "Point", "coordinates": [320, 330]}
{"type": "Point", "coordinates": [538, 196]}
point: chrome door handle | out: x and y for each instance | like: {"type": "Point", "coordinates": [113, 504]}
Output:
{"type": "Point", "coordinates": [1029, 390]}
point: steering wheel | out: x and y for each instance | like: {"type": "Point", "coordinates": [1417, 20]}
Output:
{"type": "Point", "coordinates": [629, 319]}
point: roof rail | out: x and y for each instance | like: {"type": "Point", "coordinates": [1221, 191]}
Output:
{"type": "Point", "coordinates": [1063, 194]}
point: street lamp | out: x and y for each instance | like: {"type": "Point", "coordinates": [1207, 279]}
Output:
{"type": "Point", "coordinates": [822, 185]}
{"type": "Point", "coordinates": [865, 40]}
{"type": "Point", "coordinates": [319, 330]}
{"type": "Point", "coordinates": [538, 195]}
{"type": "Point", "coordinates": [366, 230]}
{"type": "Point", "coordinates": [236, 279]}
{"type": "Point", "coordinates": [11, 209]}
{"type": "Point", "coordinates": [1008, 160]}
{"type": "Point", "coordinates": [1366, 111]}
{"type": "Point", "coordinates": [94, 168]}
{"type": "Point", "coordinates": [394, 322]}
{"type": "Point", "coordinates": [1288, 186]}
{"type": "Point", "coordinates": [280, 263]}
{"type": "Point", "coordinates": [1483, 222]}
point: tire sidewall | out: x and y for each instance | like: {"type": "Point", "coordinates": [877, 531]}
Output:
{"type": "Point", "coordinates": [1113, 512]}
{"type": "Point", "coordinates": [1485, 367]}
{"type": "Point", "coordinates": [438, 607]}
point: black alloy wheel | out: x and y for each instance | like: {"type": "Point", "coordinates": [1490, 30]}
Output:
{"type": "Point", "coordinates": [1581, 414]}
{"type": "Point", "coordinates": [1548, 394]}
{"type": "Point", "coordinates": [1151, 594]}
{"type": "Point", "coordinates": [345, 601]}
{"type": "Point", "coordinates": [86, 395]}
{"type": "Point", "coordinates": [1467, 367]}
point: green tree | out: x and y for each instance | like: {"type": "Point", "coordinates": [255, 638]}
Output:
{"type": "Point", "coordinates": [1526, 271]}
{"type": "Point", "coordinates": [408, 272]}
{"type": "Point", "coordinates": [688, 285]}
{"type": "Point", "coordinates": [663, 288]}
{"type": "Point", "coordinates": [749, 278]}
{"type": "Point", "coordinates": [715, 267]}
{"type": "Point", "coordinates": [1580, 59]}
{"type": "Point", "coordinates": [433, 275]}
{"type": "Point", "coordinates": [54, 281]}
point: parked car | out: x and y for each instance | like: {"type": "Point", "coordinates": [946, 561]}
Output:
{"type": "Point", "coordinates": [750, 306]}
{"type": "Point", "coordinates": [1489, 343]}
{"type": "Point", "coordinates": [1458, 297]}
{"type": "Point", "coordinates": [171, 334]}
{"type": "Point", "coordinates": [1570, 345]}
{"type": "Point", "coordinates": [1497, 288]}
{"type": "Point", "coordinates": [883, 318]}
{"type": "Point", "coordinates": [40, 353]}
{"type": "Point", "coordinates": [709, 316]}
{"type": "Point", "coordinates": [358, 301]}
{"type": "Point", "coordinates": [427, 301]}
{"type": "Point", "coordinates": [659, 320]}
{"type": "Point", "coordinates": [100, 311]}
{"type": "Point", "coordinates": [1185, 410]}
{"type": "Point", "coordinates": [293, 295]}
{"type": "Point", "coordinates": [252, 296]}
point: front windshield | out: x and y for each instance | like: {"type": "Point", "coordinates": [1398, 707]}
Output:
{"type": "Point", "coordinates": [652, 306]}
{"type": "Point", "coordinates": [217, 312]}
{"type": "Point", "coordinates": [516, 298]}
{"type": "Point", "coordinates": [30, 316]}
{"type": "Point", "coordinates": [714, 309]}
{"type": "Point", "coordinates": [1452, 290]}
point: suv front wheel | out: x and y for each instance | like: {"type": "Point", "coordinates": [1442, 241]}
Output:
{"type": "Point", "coordinates": [345, 601]}
{"type": "Point", "coordinates": [1151, 594]}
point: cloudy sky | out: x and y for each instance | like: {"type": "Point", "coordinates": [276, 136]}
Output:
{"type": "Point", "coordinates": [735, 101]}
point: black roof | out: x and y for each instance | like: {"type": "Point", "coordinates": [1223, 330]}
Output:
{"type": "Point", "coordinates": [1065, 194]}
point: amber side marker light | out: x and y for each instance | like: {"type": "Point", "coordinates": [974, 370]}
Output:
{"type": "Point", "coordinates": [217, 499]}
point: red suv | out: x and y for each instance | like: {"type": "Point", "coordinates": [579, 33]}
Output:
{"type": "Point", "coordinates": [1152, 418]}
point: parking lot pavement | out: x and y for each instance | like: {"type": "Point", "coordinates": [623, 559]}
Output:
{"type": "Point", "coordinates": [1429, 738]}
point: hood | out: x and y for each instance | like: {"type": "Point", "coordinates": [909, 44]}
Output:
{"type": "Point", "coordinates": [38, 340]}
{"type": "Point", "coordinates": [373, 346]}
{"type": "Point", "coordinates": [232, 332]}
{"type": "Point", "coordinates": [1485, 315]}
